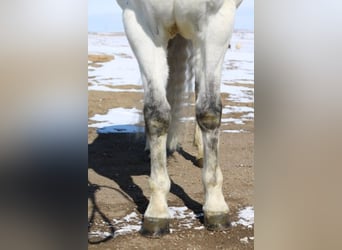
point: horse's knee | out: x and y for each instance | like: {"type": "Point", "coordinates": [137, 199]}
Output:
{"type": "Point", "coordinates": [157, 118]}
{"type": "Point", "coordinates": [209, 115]}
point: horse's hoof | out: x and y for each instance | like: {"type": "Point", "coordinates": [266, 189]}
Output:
{"type": "Point", "coordinates": [217, 222]}
{"type": "Point", "coordinates": [155, 227]}
{"type": "Point", "coordinates": [200, 162]}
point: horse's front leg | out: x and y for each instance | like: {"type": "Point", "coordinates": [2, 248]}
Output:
{"type": "Point", "coordinates": [208, 113]}
{"type": "Point", "coordinates": [211, 46]}
{"type": "Point", "coordinates": [156, 217]}
{"type": "Point", "coordinates": [150, 50]}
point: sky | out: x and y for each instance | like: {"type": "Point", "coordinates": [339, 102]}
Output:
{"type": "Point", "coordinates": [105, 16]}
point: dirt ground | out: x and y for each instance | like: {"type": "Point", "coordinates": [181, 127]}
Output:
{"type": "Point", "coordinates": [118, 172]}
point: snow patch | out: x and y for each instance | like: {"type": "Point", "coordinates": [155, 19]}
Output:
{"type": "Point", "coordinates": [246, 217]}
{"type": "Point", "coordinates": [237, 109]}
{"type": "Point", "coordinates": [235, 93]}
{"type": "Point", "coordinates": [111, 89]}
{"type": "Point", "coordinates": [123, 69]}
{"type": "Point", "coordinates": [232, 120]}
{"type": "Point", "coordinates": [128, 224]}
{"type": "Point", "coordinates": [116, 116]}
{"type": "Point", "coordinates": [233, 131]}
{"type": "Point", "coordinates": [99, 234]}
{"type": "Point", "coordinates": [186, 218]}
{"type": "Point", "coordinates": [244, 240]}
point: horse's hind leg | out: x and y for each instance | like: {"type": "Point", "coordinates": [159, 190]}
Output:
{"type": "Point", "coordinates": [150, 50]}
{"type": "Point", "coordinates": [212, 46]}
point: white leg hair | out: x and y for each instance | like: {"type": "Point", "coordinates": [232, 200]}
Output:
{"type": "Point", "coordinates": [159, 180]}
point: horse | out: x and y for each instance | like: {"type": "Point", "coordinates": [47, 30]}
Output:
{"type": "Point", "coordinates": [172, 40]}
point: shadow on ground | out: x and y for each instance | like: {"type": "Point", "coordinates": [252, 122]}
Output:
{"type": "Point", "coordinates": [119, 157]}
